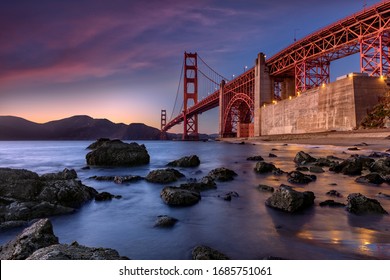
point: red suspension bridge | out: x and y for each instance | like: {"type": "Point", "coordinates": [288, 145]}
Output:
{"type": "Point", "coordinates": [301, 66]}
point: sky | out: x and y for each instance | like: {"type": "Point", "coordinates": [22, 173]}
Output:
{"type": "Point", "coordinates": [121, 59]}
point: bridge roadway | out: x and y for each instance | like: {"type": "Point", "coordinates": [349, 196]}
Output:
{"type": "Point", "coordinates": [367, 32]}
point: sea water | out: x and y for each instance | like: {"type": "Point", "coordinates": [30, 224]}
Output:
{"type": "Point", "coordinates": [243, 228]}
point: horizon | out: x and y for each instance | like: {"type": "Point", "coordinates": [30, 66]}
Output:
{"type": "Point", "coordinates": [88, 58]}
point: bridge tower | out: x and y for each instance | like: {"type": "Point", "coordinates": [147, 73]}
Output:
{"type": "Point", "coordinates": [190, 95]}
{"type": "Point", "coordinates": [163, 134]}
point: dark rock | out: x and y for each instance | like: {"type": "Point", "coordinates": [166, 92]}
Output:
{"type": "Point", "coordinates": [241, 143]}
{"type": "Point", "coordinates": [255, 158]}
{"type": "Point", "coordinates": [278, 171]}
{"type": "Point", "coordinates": [316, 169]}
{"type": "Point", "coordinates": [363, 144]}
{"type": "Point", "coordinates": [331, 203]}
{"type": "Point", "coordinates": [103, 196]}
{"type": "Point", "coordinates": [353, 149]}
{"type": "Point", "coordinates": [222, 174]}
{"type": "Point", "coordinates": [175, 196]}
{"type": "Point", "coordinates": [85, 168]}
{"type": "Point", "coordinates": [38, 235]}
{"type": "Point", "coordinates": [98, 143]}
{"type": "Point", "coordinates": [302, 168]}
{"type": "Point", "coordinates": [372, 178]}
{"type": "Point", "coordinates": [289, 200]}
{"type": "Point", "coordinates": [325, 162]}
{"type": "Point", "coordinates": [274, 149]}
{"type": "Point", "coordinates": [379, 154]}
{"type": "Point", "coordinates": [383, 195]}
{"type": "Point", "coordinates": [264, 167]}
{"type": "Point", "coordinates": [302, 158]}
{"type": "Point", "coordinates": [24, 195]}
{"type": "Point", "coordinates": [228, 196]}
{"type": "Point", "coordinates": [300, 178]}
{"type": "Point", "coordinates": [164, 176]}
{"type": "Point", "coordinates": [207, 253]}
{"type": "Point", "coordinates": [75, 251]}
{"type": "Point", "coordinates": [165, 221]}
{"type": "Point", "coordinates": [126, 179]}
{"type": "Point", "coordinates": [188, 161]}
{"type": "Point", "coordinates": [352, 166]}
{"type": "Point", "coordinates": [381, 166]}
{"type": "Point", "coordinates": [360, 205]}
{"type": "Point", "coordinates": [207, 183]}
{"type": "Point", "coordinates": [117, 153]}
{"type": "Point", "coordinates": [265, 188]}
{"type": "Point", "coordinates": [272, 155]}
{"type": "Point", "coordinates": [334, 193]}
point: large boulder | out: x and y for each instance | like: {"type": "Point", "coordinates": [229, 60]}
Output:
{"type": "Point", "coordinates": [188, 161]}
{"type": "Point", "coordinates": [38, 235]}
{"type": "Point", "coordinates": [98, 143]}
{"type": "Point", "coordinates": [359, 204]}
{"type": "Point", "coordinates": [222, 174]}
{"type": "Point", "coordinates": [164, 176]}
{"type": "Point", "coordinates": [165, 221]}
{"type": "Point", "coordinates": [175, 196]}
{"type": "Point", "coordinates": [207, 253]}
{"type": "Point", "coordinates": [75, 251]}
{"type": "Point", "coordinates": [24, 195]}
{"type": "Point", "coordinates": [352, 166]}
{"type": "Point", "coordinates": [303, 158]}
{"type": "Point", "coordinates": [118, 153]}
{"type": "Point", "coordinates": [372, 178]}
{"type": "Point", "coordinates": [289, 200]}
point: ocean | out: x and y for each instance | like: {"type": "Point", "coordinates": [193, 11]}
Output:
{"type": "Point", "coordinates": [243, 228]}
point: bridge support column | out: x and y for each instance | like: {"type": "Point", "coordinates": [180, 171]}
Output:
{"type": "Point", "coordinates": [190, 94]}
{"type": "Point", "coordinates": [221, 109]}
{"type": "Point", "coordinates": [374, 55]}
{"type": "Point", "coordinates": [288, 87]}
{"type": "Point", "coordinates": [263, 90]}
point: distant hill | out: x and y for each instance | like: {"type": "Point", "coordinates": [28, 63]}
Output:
{"type": "Point", "coordinates": [75, 128]}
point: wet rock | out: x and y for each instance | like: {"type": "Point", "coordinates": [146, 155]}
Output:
{"type": "Point", "coordinates": [118, 153]}
{"type": "Point", "coordinates": [228, 196]}
{"type": "Point", "coordinates": [316, 169]}
{"type": "Point", "coordinates": [359, 204]}
{"type": "Point", "coordinates": [381, 166]}
{"type": "Point", "coordinates": [334, 193]}
{"type": "Point", "coordinates": [289, 200]}
{"type": "Point", "coordinates": [75, 251]}
{"type": "Point", "coordinates": [265, 188]}
{"type": "Point", "coordinates": [264, 167]}
{"type": "Point", "coordinates": [303, 158]}
{"type": "Point", "coordinates": [207, 183]}
{"type": "Point", "coordinates": [207, 253]}
{"type": "Point", "coordinates": [331, 203]}
{"type": "Point", "coordinates": [255, 158]}
{"type": "Point", "coordinates": [165, 221]}
{"type": "Point", "coordinates": [372, 178]}
{"type": "Point", "coordinates": [379, 154]}
{"type": "Point", "coordinates": [103, 196]}
{"type": "Point", "coordinates": [298, 177]}
{"type": "Point", "coordinates": [38, 235]}
{"type": "Point", "coordinates": [188, 161]}
{"type": "Point", "coordinates": [24, 195]}
{"type": "Point", "coordinates": [353, 149]}
{"type": "Point", "coordinates": [222, 174]}
{"type": "Point", "coordinates": [175, 196]}
{"type": "Point", "coordinates": [272, 155]}
{"type": "Point", "coordinates": [302, 168]}
{"type": "Point", "coordinates": [363, 144]}
{"type": "Point", "coordinates": [164, 176]}
{"type": "Point", "coordinates": [278, 171]}
{"type": "Point", "coordinates": [383, 195]}
{"type": "Point", "coordinates": [352, 166]}
{"type": "Point", "coordinates": [325, 162]}
{"type": "Point", "coordinates": [86, 168]}
{"type": "Point", "coordinates": [127, 179]}
{"type": "Point", "coordinates": [98, 143]}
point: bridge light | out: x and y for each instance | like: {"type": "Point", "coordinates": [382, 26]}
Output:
{"type": "Point", "coordinates": [274, 102]}
{"type": "Point", "coordinates": [323, 85]}
{"type": "Point", "coordinates": [382, 77]}
{"type": "Point", "coordinates": [298, 93]}
{"type": "Point", "coordinates": [290, 97]}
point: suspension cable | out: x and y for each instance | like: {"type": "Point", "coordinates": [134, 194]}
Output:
{"type": "Point", "coordinates": [177, 92]}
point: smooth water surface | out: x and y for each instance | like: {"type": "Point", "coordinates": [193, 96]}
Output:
{"type": "Point", "coordinates": [243, 228]}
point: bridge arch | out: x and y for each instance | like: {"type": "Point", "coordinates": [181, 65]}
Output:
{"type": "Point", "coordinates": [239, 109]}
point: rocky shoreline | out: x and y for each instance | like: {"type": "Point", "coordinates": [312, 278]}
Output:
{"type": "Point", "coordinates": [26, 196]}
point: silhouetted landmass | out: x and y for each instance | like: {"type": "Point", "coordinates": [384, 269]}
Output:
{"type": "Point", "coordinates": [75, 128]}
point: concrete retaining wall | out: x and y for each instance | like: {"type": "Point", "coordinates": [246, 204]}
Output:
{"type": "Point", "coordinates": [340, 106]}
